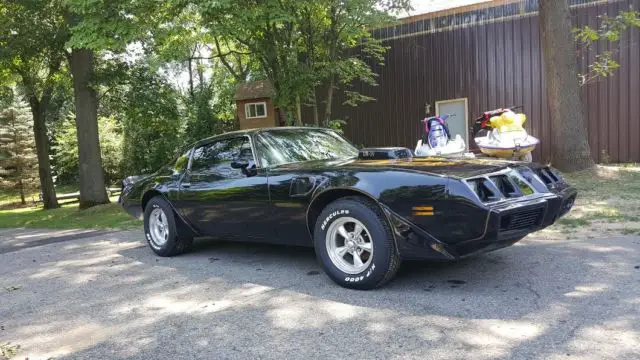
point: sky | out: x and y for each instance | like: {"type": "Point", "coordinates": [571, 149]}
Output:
{"type": "Point", "coordinates": [425, 6]}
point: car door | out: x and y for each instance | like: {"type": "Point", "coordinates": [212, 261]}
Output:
{"type": "Point", "coordinates": [224, 193]}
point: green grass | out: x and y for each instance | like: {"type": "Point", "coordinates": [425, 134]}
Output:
{"type": "Point", "coordinates": [628, 231]}
{"type": "Point", "coordinates": [625, 181]}
{"type": "Point", "coordinates": [608, 201]}
{"type": "Point", "coordinates": [109, 216]}
{"type": "Point", "coordinates": [574, 223]}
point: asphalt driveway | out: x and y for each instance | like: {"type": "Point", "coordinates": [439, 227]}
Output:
{"type": "Point", "coordinates": [104, 295]}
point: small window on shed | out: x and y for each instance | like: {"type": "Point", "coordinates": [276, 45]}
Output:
{"type": "Point", "coordinates": [255, 110]}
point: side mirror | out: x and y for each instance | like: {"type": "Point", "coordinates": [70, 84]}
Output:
{"type": "Point", "coordinates": [239, 164]}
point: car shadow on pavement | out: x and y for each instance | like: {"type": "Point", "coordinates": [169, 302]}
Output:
{"type": "Point", "coordinates": [505, 284]}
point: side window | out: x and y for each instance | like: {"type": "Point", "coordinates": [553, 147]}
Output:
{"type": "Point", "coordinates": [215, 158]}
{"type": "Point", "coordinates": [181, 162]}
{"type": "Point", "coordinates": [264, 153]}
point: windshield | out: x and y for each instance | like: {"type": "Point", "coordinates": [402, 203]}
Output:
{"type": "Point", "coordinates": [284, 146]}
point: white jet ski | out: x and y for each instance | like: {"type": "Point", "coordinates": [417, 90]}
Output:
{"type": "Point", "coordinates": [437, 140]}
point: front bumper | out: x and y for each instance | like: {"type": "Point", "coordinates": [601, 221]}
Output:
{"type": "Point", "coordinates": [506, 224]}
{"type": "Point", "coordinates": [134, 210]}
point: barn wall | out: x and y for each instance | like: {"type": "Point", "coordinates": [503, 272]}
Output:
{"type": "Point", "coordinates": [498, 64]}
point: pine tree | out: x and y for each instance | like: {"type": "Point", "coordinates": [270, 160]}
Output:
{"type": "Point", "coordinates": [18, 159]}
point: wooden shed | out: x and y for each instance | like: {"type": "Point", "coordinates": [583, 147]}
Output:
{"type": "Point", "coordinates": [254, 105]}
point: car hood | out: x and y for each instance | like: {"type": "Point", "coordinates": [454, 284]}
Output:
{"type": "Point", "coordinates": [462, 168]}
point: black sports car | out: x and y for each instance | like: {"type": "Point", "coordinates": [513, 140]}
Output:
{"type": "Point", "coordinates": [363, 211]}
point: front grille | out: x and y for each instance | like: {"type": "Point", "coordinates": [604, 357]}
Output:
{"type": "Point", "coordinates": [522, 220]}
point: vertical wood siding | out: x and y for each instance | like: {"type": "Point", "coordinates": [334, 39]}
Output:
{"type": "Point", "coordinates": [498, 64]}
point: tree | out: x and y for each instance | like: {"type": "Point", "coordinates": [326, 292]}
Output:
{"type": "Point", "coordinates": [91, 175]}
{"type": "Point", "coordinates": [97, 26]}
{"type": "Point", "coordinates": [18, 160]}
{"type": "Point", "coordinates": [151, 125]}
{"type": "Point", "coordinates": [214, 67]}
{"type": "Point", "coordinates": [345, 43]}
{"type": "Point", "coordinates": [32, 39]}
{"type": "Point", "coordinates": [570, 145]}
{"type": "Point", "coordinates": [302, 46]}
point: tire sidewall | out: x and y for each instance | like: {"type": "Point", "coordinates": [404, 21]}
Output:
{"type": "Point", "coordinates": [155, 203]}
{"type": "Point", "coordinates": [382, 244]}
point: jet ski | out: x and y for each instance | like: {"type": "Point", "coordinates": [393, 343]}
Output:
{"type": "Point", "coordinates": [437, 141]}
{"type": "Point", "coordinates": [500, 133]}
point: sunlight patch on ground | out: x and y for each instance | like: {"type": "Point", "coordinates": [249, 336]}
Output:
{"type": "Point", "coordinates": [587, 290]}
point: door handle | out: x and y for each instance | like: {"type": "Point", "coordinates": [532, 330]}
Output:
{"type": "Point", "coordinates": [186, 184]}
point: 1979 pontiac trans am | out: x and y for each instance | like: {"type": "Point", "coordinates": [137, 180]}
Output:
{"type": "Point", "coordinates": [363, 211]}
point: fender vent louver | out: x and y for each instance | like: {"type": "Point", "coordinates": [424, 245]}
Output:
{"type": "Point", "coordinates": [505, 185]}
{"type": "Point", "coordinates": [548, 176]}
{"type": "Point", "coordinates": [484, 189]}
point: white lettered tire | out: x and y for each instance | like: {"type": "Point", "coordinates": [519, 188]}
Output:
{"type": "Point", "coordinates": [162, 231]}
{"type": "Point", "coordinates": [354, 244]}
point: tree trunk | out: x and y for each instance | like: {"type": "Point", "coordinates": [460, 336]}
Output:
{"type": "Point", "coordinates": [570, 147]}
{"type": "Point", "coordinates": [191, 93]}
{"type": "Point", "coordinates": [38, 111]}
{"type": "Point", "coordinates": [314, 108]}
{"type": "Point", "coordinates": [327, 110]}
{"type": "Point", "coordinates": [92, 185]}
{"type": "Point", "coordinates": [298, 121]}
{"type": "Point", "coordinates": [22, 199]}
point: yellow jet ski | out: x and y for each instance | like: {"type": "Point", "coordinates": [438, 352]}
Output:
{"type": "Point", "coordinates": [505, 136]}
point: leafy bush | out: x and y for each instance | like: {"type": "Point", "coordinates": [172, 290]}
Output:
{"type": "Point", "coordinates": [65, 149]}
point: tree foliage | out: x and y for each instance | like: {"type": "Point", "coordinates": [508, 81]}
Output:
{"type": "Point", "coordinates": [610, 30]}
{"type": "Point", "coordinates": [18, 160]}
{"type": "Point", "coordinates": [152, 126]}
{"type": "Point", "coordinates": [65, 149]}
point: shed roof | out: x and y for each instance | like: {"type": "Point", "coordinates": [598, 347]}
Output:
{"type": "Point", "coordinates": [254, 90]}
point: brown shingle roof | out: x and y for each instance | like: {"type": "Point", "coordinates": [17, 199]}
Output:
{"type": "Point", "coordinates": [254, 90]}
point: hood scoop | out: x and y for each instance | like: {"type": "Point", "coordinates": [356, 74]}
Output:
{"type": "Point", "coordinates": [384, 153]}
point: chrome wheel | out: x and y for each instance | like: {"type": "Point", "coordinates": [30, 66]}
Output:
{"type": "Point", "coordinates": [349, 245]}
{"type": "Point", "coordinates": [158, 227]}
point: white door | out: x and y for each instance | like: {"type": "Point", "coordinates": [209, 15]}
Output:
{"type": "Point", "coordinates": [458, 122]}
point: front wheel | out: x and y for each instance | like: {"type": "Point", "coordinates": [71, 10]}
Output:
{"type": "Point", "coordinates": [355, 245]}
{"type": "Point", "coordinates": [161, 229]}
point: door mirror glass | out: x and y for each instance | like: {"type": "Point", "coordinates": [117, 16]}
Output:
{"type": "Point", "coordinates": [239, 163]}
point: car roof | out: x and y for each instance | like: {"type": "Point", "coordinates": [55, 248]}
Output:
{"type": "Point", "coordinates": [250, 132]}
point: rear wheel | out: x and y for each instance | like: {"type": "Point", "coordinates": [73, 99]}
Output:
{"type": "Point", "coordinates": [162, 230]}
{"type": "Point", "coordinates": [355, 245]}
